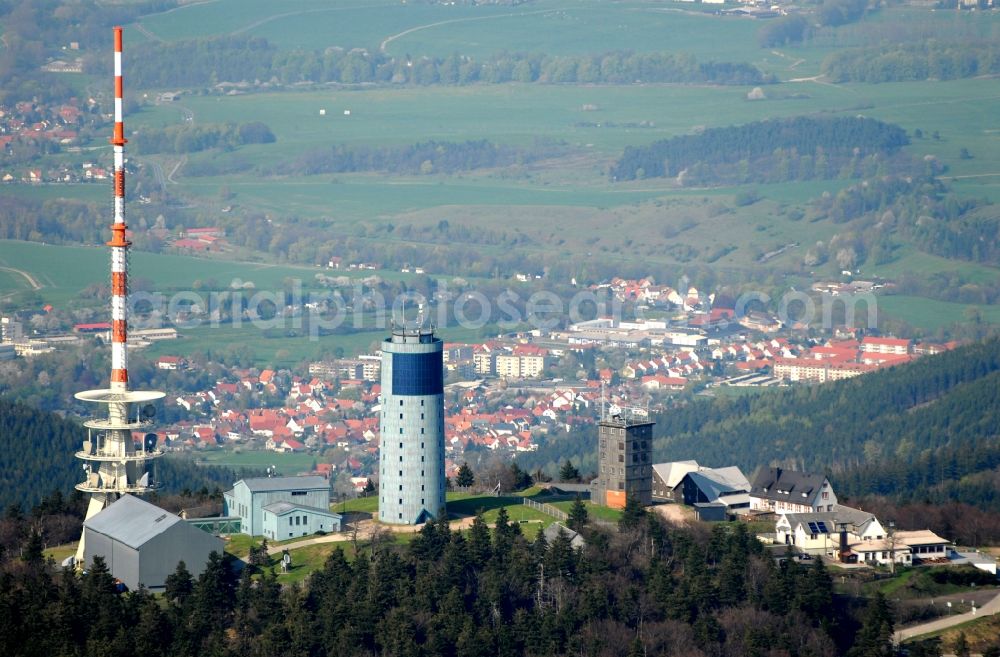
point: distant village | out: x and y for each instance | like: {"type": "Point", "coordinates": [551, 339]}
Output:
{"type": "Point", "coordinates": [504, 395]}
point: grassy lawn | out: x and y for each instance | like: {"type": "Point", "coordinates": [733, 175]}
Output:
{"type": "Point", "coordinates": [310, 558]}
{"type": "Point", "coordinates": [357, 505]}
{"type": "Point", "coordinates": [60, 552]}
{"type": "Point", "coordinates": [594, 511]}
{"type": "Point", "coordinates": [63, 271]}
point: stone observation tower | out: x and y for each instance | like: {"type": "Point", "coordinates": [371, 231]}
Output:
{"type": "Point", "coordinates": [113, 463]}
{"type": "Point", "coordinates": [411, 451]}
{"type": "Point", "coordinates": [625, 448]}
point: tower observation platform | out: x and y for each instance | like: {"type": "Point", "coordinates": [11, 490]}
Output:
{"type": "Point", "coordinates": [411, 418]}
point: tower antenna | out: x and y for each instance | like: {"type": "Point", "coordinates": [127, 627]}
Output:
{"type": "Point", "coordinates": [113, 466]}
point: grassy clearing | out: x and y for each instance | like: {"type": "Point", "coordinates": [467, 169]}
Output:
{"type": "Point", "coordinates": [11, 282]}
{"type": "Point", "coordinates": [594, 511]}
{"type": "Point", "coordinates": [913, 583]}
{"type": "Point", "coordinates": [931, 315]}
{"type": "Point", "coordinates": [309, 559]}
{"type": "Point", "coordinates": [60, 552]}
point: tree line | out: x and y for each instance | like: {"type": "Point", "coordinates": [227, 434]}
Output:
{"type": "Point", "coordinates": [187, 138]}
{"type": "Point", "coordinates": [928, 59]}
{"type": "Point", "coordinates": [421, 158]}
{"type": "Point", "coordinates": [210, 61]}
{"type": "Point", "coordinates": [766, 151]}
{"type": "Point", "coordinates": [644, 589]}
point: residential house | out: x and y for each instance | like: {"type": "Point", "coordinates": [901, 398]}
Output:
{"type": "Point", "coordinates": [778, 490]}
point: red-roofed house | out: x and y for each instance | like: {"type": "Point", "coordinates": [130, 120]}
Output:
{"type": "Point", "coordinates": [169, 363]}
{"type": "Point", "coordinates": [885, 345]}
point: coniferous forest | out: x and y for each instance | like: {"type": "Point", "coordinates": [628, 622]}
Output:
{"type": "Point", "coordinates": [37, 459]}
{"type": "Point", "coordinates": [638, 589]}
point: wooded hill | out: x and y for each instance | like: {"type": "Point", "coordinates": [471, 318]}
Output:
{"type": "Point", "coordinates": [774, 150]}
{"type": "Point", "coordinates": [923, 431]}
{"type": "Point", "coordinates": [941, 413]}
{"type": "Point", "coordinates": [37, 459]}
{"type": "Point", "coordinates": [643, 590]}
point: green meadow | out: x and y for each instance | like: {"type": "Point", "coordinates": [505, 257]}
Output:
{"type": "Point", "coordinates": [552, 26]}
{"type": "Point", "coordinates": [565, 205]}
{"type": "Point", "coordinates": [64, 271]}
{"type": "Point", "coordinates": [931, 314]}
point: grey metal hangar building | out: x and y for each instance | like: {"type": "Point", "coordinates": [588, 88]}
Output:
{"type": "Point", "coordinates": [142, 544]}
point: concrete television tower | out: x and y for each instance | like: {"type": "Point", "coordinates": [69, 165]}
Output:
{"type": "Point", "coordinates": [113, 465]}
{"type": "Point", "coordinates": [411, 459]}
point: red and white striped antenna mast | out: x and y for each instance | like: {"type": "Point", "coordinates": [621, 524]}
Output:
{"type": "Point", "coordinates": [113, 464]}
{"type": "Point", "coordinates": [119, 243]}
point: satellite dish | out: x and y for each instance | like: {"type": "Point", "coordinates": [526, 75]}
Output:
{"type": "Point", "coordinates": [149, 442]}
{"type": "Point", "coordinates": [615, 410]}
{"type": "Point", "coordinates": [148, 412]}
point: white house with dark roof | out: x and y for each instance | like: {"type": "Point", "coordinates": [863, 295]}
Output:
{"type": "Point", "coordinates": [778, 490]}
{"type": "Point", "coordinates": [819, 533]}
{"type": "Point", "coordinates": [142, 544]}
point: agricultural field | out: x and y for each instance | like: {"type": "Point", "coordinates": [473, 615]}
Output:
{"type": "Point", "coordinates": [932, 314]}
{"type": "Point", "coordinates": [565, 205]}
{"type": "Point", "coordinates": [555, 26]}
{"type": "Point", "coordinates": [64, 271]}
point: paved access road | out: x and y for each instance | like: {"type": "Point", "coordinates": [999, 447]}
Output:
{"type": "Point", "coordinates": [990, 608]}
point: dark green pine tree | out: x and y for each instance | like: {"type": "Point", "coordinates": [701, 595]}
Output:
{"type": "Point", "coordinates": [465, 477]}
{"type": "Point", "coordinates": [874, 639]}
{"type": "Point", "coordinates": [568, 472]}
{"type": "Point", "coordinates": [633, 514]}
{"type": "Point", "coordinates": [179, 585]}
{"type": "Point", "coordinates": [578, 516]}
{"type": "Point", "coordinates": [479, 546]}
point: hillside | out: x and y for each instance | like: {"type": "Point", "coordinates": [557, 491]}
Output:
{"type": "Point", "coordinates": [37, 459]}
{"type": "Point", "coordinates": [924, 430]}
